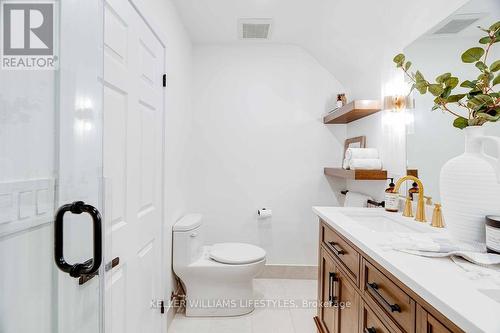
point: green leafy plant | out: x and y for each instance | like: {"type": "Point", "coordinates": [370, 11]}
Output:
{"type": "Point", "coordinates": [477, 103]}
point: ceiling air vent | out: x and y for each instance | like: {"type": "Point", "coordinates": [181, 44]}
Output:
{"type": "Point", "coordinates": [456, 24]}
{"type": "Point", "coordinates": [256, 29]}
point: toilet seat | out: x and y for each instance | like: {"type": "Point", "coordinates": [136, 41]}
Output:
{"type": "Point", "coordinates": [236, 253]}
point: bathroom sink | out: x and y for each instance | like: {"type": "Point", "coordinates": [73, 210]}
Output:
{"type": "Point", "coordinates": [378, 220]}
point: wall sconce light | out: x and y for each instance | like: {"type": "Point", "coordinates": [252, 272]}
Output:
{"type": "Point", "coordinates": [398, 103]}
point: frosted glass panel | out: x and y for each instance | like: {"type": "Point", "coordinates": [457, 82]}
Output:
{"type": "Point", "coordinates": [50, 154]}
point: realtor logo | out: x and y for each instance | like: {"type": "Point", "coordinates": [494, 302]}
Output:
{"type": "Point", "coordinates": [28, 30]}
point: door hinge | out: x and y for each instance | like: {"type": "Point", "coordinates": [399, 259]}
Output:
{"type": "Point", "coordinates": [164, 80]}
{"type": "Point", "coordinates": [162, 307]}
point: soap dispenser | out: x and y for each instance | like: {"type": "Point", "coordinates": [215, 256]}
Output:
{"type": "Point", "coordinates": [413, 190]}
{"type": "Point", "coordinates": [339, 101]}
{"type": "Point", "coordinates": [391, 198]}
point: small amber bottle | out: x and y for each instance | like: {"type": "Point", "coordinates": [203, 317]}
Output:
{"type": "Point", "coordinates": [339, 101]}
{"type": "Point", "coordinates": [413, 190]}
{"type": "Point", "coordinates": [391, 198]}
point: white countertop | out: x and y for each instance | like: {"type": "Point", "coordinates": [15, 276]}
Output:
{"type": "Point", "coordinates": [439, 281]}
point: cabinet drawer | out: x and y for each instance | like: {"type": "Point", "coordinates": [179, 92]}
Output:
{"type": "Point", "coordinates": [388, 297]}
{"type": "Point", "coordinates": [344, 252]}
{"type": "Point", "coordinates": [370, 322]}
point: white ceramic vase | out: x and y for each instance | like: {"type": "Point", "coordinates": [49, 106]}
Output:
{"type": "Point", "coordinates": [470, 187]}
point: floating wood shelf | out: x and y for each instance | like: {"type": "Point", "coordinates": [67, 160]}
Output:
{"type": "Point", "coordinates": [353, 111]}
{"type": "Point", "coordinates": [412, 172]}
{"type": "Point", "coordinates": [357, 174]}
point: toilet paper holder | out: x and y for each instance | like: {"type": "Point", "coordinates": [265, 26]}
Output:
{"type": "Point", "coordinates": [264, 213]}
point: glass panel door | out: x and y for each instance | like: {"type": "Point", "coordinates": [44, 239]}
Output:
{"type": "Point", "coordinates": [50, 155]}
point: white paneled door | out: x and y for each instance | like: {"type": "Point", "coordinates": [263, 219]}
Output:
{"type": "Point", "coordinates": [133, 159]}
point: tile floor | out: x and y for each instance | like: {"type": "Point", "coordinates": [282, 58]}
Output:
{"type": "Point", "coordinates": [297, 319]}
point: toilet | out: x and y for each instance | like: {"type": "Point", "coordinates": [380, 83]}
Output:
{"type": "Point", "coordinates": [218, 278]}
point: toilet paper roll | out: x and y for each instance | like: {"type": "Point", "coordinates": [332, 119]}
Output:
{"type": "Point", "coordinates": [264, 213]}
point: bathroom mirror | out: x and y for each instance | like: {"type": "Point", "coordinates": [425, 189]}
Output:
{"type": "Point", "coordinates": [431, 138]}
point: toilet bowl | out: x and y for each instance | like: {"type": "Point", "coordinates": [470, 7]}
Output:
{"type": "Point", "coordinates": [218, 279]}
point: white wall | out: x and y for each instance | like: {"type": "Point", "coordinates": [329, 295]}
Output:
{"type": "Point", "coordinates": [162, 14]}
{"type": "Point", "coordinates": [259, 141]}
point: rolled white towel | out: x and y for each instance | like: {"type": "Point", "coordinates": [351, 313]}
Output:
{"type": "Point", "coordinates": [365, 164]}
{"type": "Point", "coordinates": [345, 164]}
{"type": "Point", "coordinates": [356, 153]}
{"type": "Point", "coordinates": [355, 199]}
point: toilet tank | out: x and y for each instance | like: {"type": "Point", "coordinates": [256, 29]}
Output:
{"type": "Point", "coordinates": [187, 241]}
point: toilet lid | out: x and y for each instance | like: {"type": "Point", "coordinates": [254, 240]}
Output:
{"type": "Point", "coordinates": [236, 253]}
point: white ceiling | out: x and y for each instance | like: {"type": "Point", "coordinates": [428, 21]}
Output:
{"type": "Point", "coordinates": [351, 38]}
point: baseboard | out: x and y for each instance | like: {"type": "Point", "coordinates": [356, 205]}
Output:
{"type": "Point", "coordinates": [301, 272]}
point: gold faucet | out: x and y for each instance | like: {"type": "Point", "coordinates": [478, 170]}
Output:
{"type": "Point", "coordinates": [437, 217]}
{"type": "Point", "coordinates": [408, 212]}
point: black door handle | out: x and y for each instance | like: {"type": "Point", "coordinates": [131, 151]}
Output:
{"type": "Point", "coordinates": [90, 266]}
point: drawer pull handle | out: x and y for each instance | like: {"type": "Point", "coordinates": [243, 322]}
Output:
{"type": "Point", "coordinates": [370, 330]}
{"type": "Point", "coordinates": [336, 248]}
{"type": "Point", "coordinates": [373, 287]}
{"type": "Point", "coordinates": [332, 278]}
{"type": "Point", "coordinates": [318, 325]}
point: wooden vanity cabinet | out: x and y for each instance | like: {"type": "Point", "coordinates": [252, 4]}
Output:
{"type": "Point", "coordinates": [339, 298]}
{"type": "Point", "coordinates": [342, 251]}
{"type": "Point", "coordinates": [389, 299]}
{"type": "Point", "coordinates": [370, 323]}
{"type": "Point", "coordinates": [326, 312]}
{"type": "Point", "coordinates": [426, 323]}
{"type": "Point", "coordinates": [348, 306]}
{"type": "Point", "coordinates": [357, 295]}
